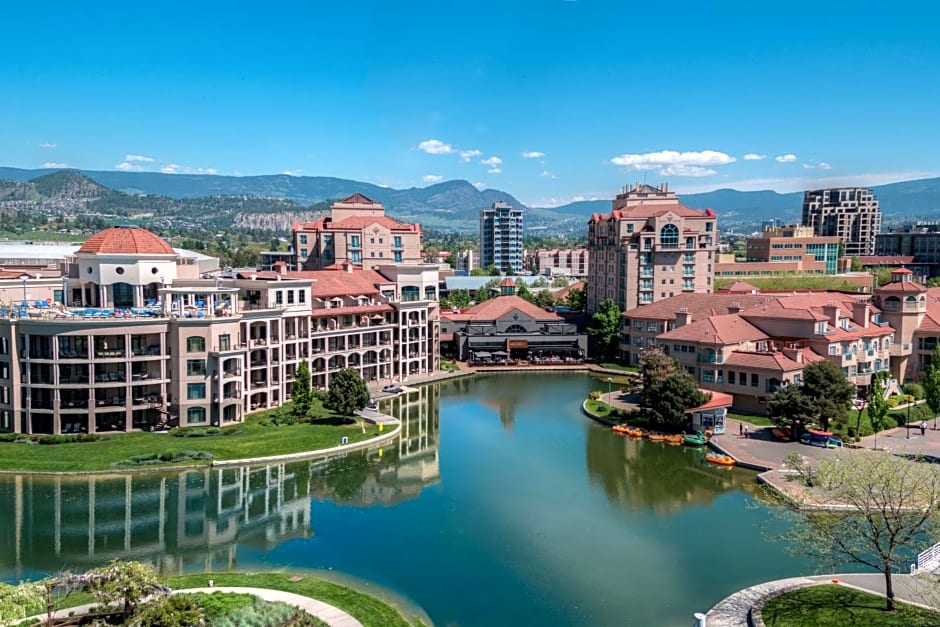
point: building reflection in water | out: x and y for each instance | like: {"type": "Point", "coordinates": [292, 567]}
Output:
{"type": "Point", "coordinates": [195, 519]}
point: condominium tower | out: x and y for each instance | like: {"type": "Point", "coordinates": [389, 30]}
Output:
{"type": "Point", "coordinates": [851, 214]}
{"type": "Point", "coordinates": [649, 247]}
{"type": "Point", "coordinates": [501, 238]}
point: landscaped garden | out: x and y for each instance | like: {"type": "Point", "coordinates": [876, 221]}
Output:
{"type": "Point", "coordinates": [837, 606]}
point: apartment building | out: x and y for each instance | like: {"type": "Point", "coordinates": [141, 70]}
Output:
{"type": "Point", "coordinates": [748, 345]}
{"type": "Point", "coordinates": [573, 262]}
{"type": "Point", "coordinates": [649, 248]}
{"type": "Point", "coordinates": [151, 342]}
{"type": "Point", "coordinates": [917, 246]}
{"type": "Point", "coordinates": [501, 238]}
{"type": "Point", "coordinates": [851, 214]}
{"type": "Point", "coordinates": [358, 231]}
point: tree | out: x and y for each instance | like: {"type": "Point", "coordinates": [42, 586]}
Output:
{"type": "Point", "coordinates": [179, 610]}
{"type": "Point", "coordinates": [545, 298]}
{"type": "Point", "coordinates": [889, 509]}
{"type": "Point", "coordinates": [456, 299]}
{"type": "Point", "coordinates": [126, 583]}
{"type": "Point", "coordinates": [478, 272]}
{"type": "Point", "coordinates": [577, 299]}
{"type": "Point", "coordinates": [492, 270]}
{"type": "Point", "coordinates": [483, 293]}
{"type": "Point", "coordinates": [301, 396]}
{"type": "Point", "coordinates": [667, 391]}
{"type": "Point", "coordinates": [605, 329]}
{"type": "Point", "coordinates": [560, 281]}
{"type": "Point", "coordinates": [348, 392]}
{"type": "Point", "coordinates": [15, 600]}
{"type": "Point", "coordinates": [791, 408]}
{"type": "Point", "coordinates": [931, 383]}
{"type": "Point", "coordinates": [877, 404]}
{"type": "Point", "coordinates": [830, 391]}
{"type": "Point", "coordinates": [856, 264]}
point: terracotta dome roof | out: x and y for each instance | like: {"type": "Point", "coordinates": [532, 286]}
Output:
{"type": "Point", "coordinates": [507, 282]}
{"type": "Point", "coordinates": [126, 240]}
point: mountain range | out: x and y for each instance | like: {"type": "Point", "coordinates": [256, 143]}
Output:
{"type": "Point", "coordinates": [454, 205]}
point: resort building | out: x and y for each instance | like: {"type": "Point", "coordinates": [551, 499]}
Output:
{"type": "Point", "coordinates": [151, 342]}
{"type": "Point", "coordinates": [748, 345]}
{"type": "Point", "coordinates": [509, 328]}
{"type": "Point", "coordinates": [501, 238]}
{"type": "Point", "coordinates": [571, 262]}
{"type": "Point", "coordinates": [358, 231]}
{"type": "Point", "coordinates": [649, 248]}
{"type": "Point", "coordinates": [918, 244]}
{"type": "Point", "coordinates": [851, 214]}
{"type": "Point", "coordinates": [783, 251]}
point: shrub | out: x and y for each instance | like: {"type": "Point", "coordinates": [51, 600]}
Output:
{"type": "Point", "coordinates": [9, 437]}
{"type": "Point", "coordinates": [891, 422]}
{"type": "Point", "coordinates": [595, 395]}
{"type": "Point", "coordinates": [851, 433]}
{"type": "Point", "coordinates": [914, 389]}
{"type": "Point", "coordinates": [866, 430]}
{"type": "Point", "coordinates": [56, 439]}
{"type": "Point", "coordinates": [87, 437]}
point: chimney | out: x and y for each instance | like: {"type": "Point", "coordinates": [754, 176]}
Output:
{"type": "Point", "coordinates": [832, 312]}
{"type": "Point", "coordinates": [280, 267]}
{"type": "Point", "coordinates": [794, 353]}
{"type": "Point", "coordinates": [734, 308]}
{"type": "Point", "coordinates": [348, 267]}
{"type": "Point", "coordinates": [683, 317]}
{"type": "Point", "coordinates": [861, 313]}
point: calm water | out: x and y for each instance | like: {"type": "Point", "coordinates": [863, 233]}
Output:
{"type": "Point", "coordinates": [501, 505]}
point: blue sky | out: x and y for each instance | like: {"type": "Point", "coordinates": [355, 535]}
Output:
{"type": "Point", "coordinates": [550, 100]}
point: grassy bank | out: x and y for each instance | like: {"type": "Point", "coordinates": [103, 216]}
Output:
{"type": "Point", "coordinates": [370, 611]}
{"type": "Point", "coordinates": [258, 436]}
{"type": "Point", "coordinates": [837, 606]}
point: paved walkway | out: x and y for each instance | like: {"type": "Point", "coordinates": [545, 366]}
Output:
{"type": "Point", "coordinates": [734, 610]}
{"type": "Point", "coordinates": [329, 614]}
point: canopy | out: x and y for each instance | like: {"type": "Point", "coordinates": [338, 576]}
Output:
{"type": "Point", "coordinates": [482, 355]}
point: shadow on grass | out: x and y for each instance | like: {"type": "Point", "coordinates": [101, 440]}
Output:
{"type": "Point", "coordinates": [836, 606]}
{"type": "Point", "coordinates": [334, 420]}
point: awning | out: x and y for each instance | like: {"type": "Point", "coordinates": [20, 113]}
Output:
{"type": "Point", "coordinates": [511, 344]}
{"type": "Point", "coordinates": [500, 354]}
{"type": "Point", "coordinates": [482, 355]}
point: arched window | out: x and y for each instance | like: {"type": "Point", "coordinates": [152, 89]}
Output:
{"type": "Point", "coordinates": [516, 328]}
{"type": "Point", "coordinates": [195, 414]}
{"type": "Point", "coordinates": [123, 294]}
{"type": "Point", "coordinates": [410, 293]}
{"type": "Point", "coordinates": [195, 344]}
{"type": "Point", "coordinates": [669, 236]}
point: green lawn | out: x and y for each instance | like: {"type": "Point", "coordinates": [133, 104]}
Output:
{"type": "Point", "coordinates": [759, 421]}
{"type": "Point", "coordinates": [598, 408]}
{"type": "Point", "coordinates": [613, 366]}
{"type": "Point", "coordinates": [255, 440]}
{"type": "Point", "coordinates": [836, 606]}
{"type": "Point", "coordinates": [370, 611]}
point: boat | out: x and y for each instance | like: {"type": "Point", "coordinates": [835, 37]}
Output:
{"type": "Point", "coordinates": [819, 433]}
{"type": "Point", "coordinates": [657, 437]}
{"type": "Point", "coordinates": [719, 459]}
{"type": "Point", "coordinates": [621, 429]}
{"type": "Point", "coordinates": [781, 434]}
{"type": "Point", "coordinates": [638, 433]}
{"type": "Point", "coordinates": [698, 439]}
{"type": "Point", "coordinates": [674, 439]}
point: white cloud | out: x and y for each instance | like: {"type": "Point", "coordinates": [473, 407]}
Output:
{"type": "Point", "coordinates": [141, 158]}
{"type": "Point", "coordinates": [480, 185]}
{"type": "Point", "coordinates": [431, 178]}
{"type": "Point", "coordinates": [126, 166]}
{"type": "Point", "coordinates": [548, 174]}
{"type": "Point", "coordinates": [686, 170]}
{"type": "Point", "coordinates": [467, 155]}
{"type": "Point", "coordinates": [491, 161]}
{"type": "Point", "coordinates": [532, 154]}
{"type": "Point", "coordinates": [435, 147]}
{"type": "Point", "coordinates": [824, 166]}
{"type": "Point", "coordinates": [47, 145]}
{"type": "Point", "coordinates": [54, 164]}
{"type": "Point", "coordinates": [175, 168]}
{"type": "Point", "coordinates": [665, 158]}
{"type": "Point", "coordinates": [494, 171]}
{"type": "Point", "coordinates": [787, 158]}
{"type": "Point", "coordinates": [753, 156]}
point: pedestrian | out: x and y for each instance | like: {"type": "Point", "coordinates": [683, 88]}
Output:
{"type": "Point", "coordinates": [923, 428]}
{"type": "Point", "coordinates": [740, 428]}
{"type": "Point", "coordinates": [745, 433]}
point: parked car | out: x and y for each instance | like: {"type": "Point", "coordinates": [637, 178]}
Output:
{"type": "Point", "coordinates": [392, 388]}
{"type": "Point", "coordinates": [372, 405]}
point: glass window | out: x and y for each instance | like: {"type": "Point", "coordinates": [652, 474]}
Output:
{"type": "Point", "coordinates": [196, 344]}
{"type": "Point", "coordinates": [290, 297]}
{"type": "Point", "coordinates": [195, 367]}
{"type": "Point", "coordinates": [669, 236]}
{"type": "Point", "coordinates": [397, 241]}
{"type": "Point", "coordinates": [303, 239]}
{"type": "Point", "coordinates": [195, 414]}
{"type": "Point", "coordinates": [354, 241]}
{"type": "Point", "coordinates": [279, 297]}
{"type": "Point", "coordinates": [195, 391]}
{"type": "Point", "coordinates": [398, 256]}
{"type": "Point", "coordinates": [225, 342]}
{"type": "Point", "coordinates": [302, 296]}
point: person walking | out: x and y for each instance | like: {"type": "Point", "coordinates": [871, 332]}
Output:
{"type": "Point", "coordinates": [923, 428]}
{"type": "Point", "coordinates": [741, 428]}
{"type": "Point", "coordinates": [745, 433]}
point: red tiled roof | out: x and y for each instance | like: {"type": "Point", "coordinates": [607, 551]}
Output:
{"type": "Point", "coordinates": [644, 210]}
{"type": "Point", "coordinates": [126, 240]}
{"type": "Point", "coordinates": [359, 199]}
{"type": "Point", "coordinates": [331, 283]}
{"type": "Point", "coordinates": [902, 271]}
{"type": "Point", "coordinates": [500, 306]}
{"type": "Point", "coordinates": [361, 222]}
{"type": "Point", "coordinates": [563, 292]}
{"type": "Point", "coordinates": [718, 399]}
{"type": "Point", "coordinates": [507, 282]}
{"type": "Point", "coordinates": [777, 362]}
{"type": "Point", "coordinates": [901, 286]}
{"type": "Point", "coordinates": [698, 304]}
{"type": "Point", "coordinates": [741, 287]}
{"type": "Point", "coordinates": [726, 329]}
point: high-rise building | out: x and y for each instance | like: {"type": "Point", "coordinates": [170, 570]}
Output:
{"type": "Point", "coordinates": [501, 238]}
{"type": "Point", "coordinates": [851, 214]}
{"type": "Point", "coordinates": [358, 231]}
{"type": "Point", "coordinates": [649, 247]}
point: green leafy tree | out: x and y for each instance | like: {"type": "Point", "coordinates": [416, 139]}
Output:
{"type": "Point", "coordinates": [577, 299]}
{"type": "Point", "coordinates": [931, 383]}
{"type": "Point", "coordinates": [484, 292]}
{"type": "Point", "coordinates": [126, 584]}
{"type": "Point", "coordinates": [15, 600]}
{"type": "Point", "coordinates": [856, 264]}
{"type": "Point", "coordinates": [889, 510]}
{"type": "Point", "coordinates": [667, 391]}
{"type": "Point", "coordinates": [301, 396]}
{"type": "Point", "coordinates": [604, 328]}
{"type": "Point", "coordinates": [560, 281]}
{"type": "Point", "coordinates": [457, 299]}
{"type": "Point", "coordinates": [478, 272]}
{"type": "Point", "coordinates": [348, 392]}
{"type": "Point", "coordinates": [179, 610]}
{"type": "Point", "coordinates": [830, 391]}
{"type": "Point", "coordinates": [545, 298]}
{"type": "Point", "coordinates": [493, 271]}
{"type": "Point", "coordinates": [877, 404]}
{"type": "Point", "coordinates": [791, 408]}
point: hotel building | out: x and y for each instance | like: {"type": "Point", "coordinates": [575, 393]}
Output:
{"type": "Point", "coordinates": [851, 214]}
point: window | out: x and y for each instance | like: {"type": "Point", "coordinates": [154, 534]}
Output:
{"type": "Point", "coordinates": [731, 377]}
{"type": "Point", "coordinates": [356, 257]}
{"type": "Point", "coordinates": [302, 296]}
{"type": "Point", "coordinates": [303, 239]}
{"type": "Point", "coordinates": [290, 297]}
{"type": "Point", "coordinates": [708, 376]}
{"type": "Point", "coordinates": [709, 227]}
{"type": "Point", "coordinates": [195, 414]}
{"type": "Point", "coordinates": [397, 241]}
{"type": "Point", "coordinates": [753, 380]}
{"type": "Point", "coordinates": [690, 242]}
{"type": "Point", "coordinates": [398, 256]}
{"type": "Point", "coordinates": [195, 344]}
{"type": "Point", "coordinates": [279, 297]}
{"type": "Point", "coordinates": [195, 367]}
{"type": "Point", "coordinates": [354, 241]}
{"type": "Point", "coordinates": [195, 391]}
{"type": "Point", "coordinates": [629, 228]}
{"type": "Point", "coordinates": [225, 342]}
{"type": "Point", "coordinates": [303, 252]}
{"type": "Point", "coordinates": [669, 236]}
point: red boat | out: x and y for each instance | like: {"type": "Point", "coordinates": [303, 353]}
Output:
{"type": "Point", "coordinates": [818, 433]}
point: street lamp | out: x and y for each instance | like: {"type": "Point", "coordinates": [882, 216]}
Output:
{"type": "Point", "coordinates": [907, 425]}
{"type": "Point", "coordinates": [609, 381]}
{"type": "Point", "coordinates": [24, 291]}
